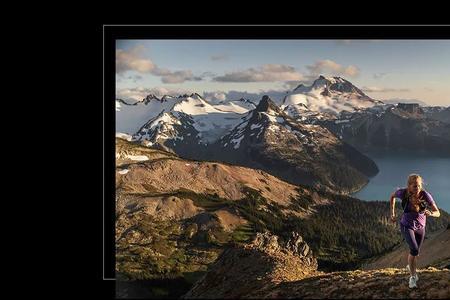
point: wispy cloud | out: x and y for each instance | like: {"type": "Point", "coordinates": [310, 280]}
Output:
{"type": "Point", "coordinates": [330, 67]}
{"type": "Point", "coordinates": [275, 95]}
{"type": "Point", "coordinates": [219, 57]}
{"type": "Point", "coordinates": [379, 75]}
{"type": "Point", "coordinates": [133, 60]}
{"type": "Point", "coordinates": [375, 89]}
{"type": "Point", "coordinates": [290, 85]}
{"type": "Point", "coordinates": [215, 96]}
{"type": "Point", "coordinates": [180, 77]}
{"type": "Point", "coordinates": [267, 72]}
{"type": "Point", "coordinates": [135, 78]}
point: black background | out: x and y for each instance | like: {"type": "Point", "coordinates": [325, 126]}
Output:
{"type": "Point", "coordinates": [86, 262]}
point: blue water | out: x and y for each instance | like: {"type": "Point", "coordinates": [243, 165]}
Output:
{"type": "Point", "coordinates": [394, 171]}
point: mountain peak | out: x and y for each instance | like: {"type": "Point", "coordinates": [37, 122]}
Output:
{"type": "Point", "coordinates": [266, 104]}
{"type": "Point", "coordinates": [149, 98]}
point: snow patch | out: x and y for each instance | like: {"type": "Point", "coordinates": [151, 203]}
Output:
{"type": "Point", "coordinates": [137, 157]}
{"type": "Point", "coordinates": [124, 136]}
{"type": "Point", "coordinates": [253, 126]}
{"type": "Point", "coordinates": [237, 142]}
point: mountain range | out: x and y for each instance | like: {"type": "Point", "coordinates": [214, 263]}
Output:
{"type": "Point", "coordinates": [317, 136]}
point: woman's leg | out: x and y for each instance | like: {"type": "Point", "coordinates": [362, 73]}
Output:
{"type": "Point", "coordinates": [410, 239]}
{"type": "Point", "coordinates": [412, 264]}
{"type": "Point", "coordinates": [419, 235]}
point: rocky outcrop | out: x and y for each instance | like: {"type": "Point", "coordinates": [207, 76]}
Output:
{"type": "Point", "coordinates": [258, 266]}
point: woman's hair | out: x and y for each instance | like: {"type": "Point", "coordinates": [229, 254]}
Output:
{"type": "Point", "coordinates": [415, 177]}
{"type": "Point", "coordinates": [412, 178]}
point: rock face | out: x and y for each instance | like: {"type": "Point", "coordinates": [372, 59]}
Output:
{"type": "Point", "coordinates": [267, 268]}
{"type": "Point", "coordinates": [412, 108]}
{"type": "Point", "coordinates": [242, 271]}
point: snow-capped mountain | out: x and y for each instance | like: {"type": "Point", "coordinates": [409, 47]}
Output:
{"type": "Point", "coordinates": [265, 117]}
{"type": "Point", "coordinates": [326, 95]}
{"type": "Point", "coordinates": [268, 139]}
{"type": "Point", "coordinates": [130, 117]}
{"type": "Point", "coordinates": [211, 121]}
{"type": "Point", "coordinates": [264, 137]}
{"type": "Point", "coordinates": [190, 125]}
{"type": "Point", "coordinates": [238, 106]}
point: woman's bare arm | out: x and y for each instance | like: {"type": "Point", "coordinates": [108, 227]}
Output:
{"type": "Point", "coordinates": [434, 211]}
{"type": "Point", "coordinates": [392, 201]}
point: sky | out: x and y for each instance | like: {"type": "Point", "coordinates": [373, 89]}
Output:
{"type": "Point", "coordinates": [383, 69]}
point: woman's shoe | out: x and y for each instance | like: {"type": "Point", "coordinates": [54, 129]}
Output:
{"type": "Point", "coordinates": [412, 282]}
{"type": "Point", "coordinates": [417, 276]}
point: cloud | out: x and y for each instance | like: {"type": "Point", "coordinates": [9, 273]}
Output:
{"type": "Point", "coordinates": [135, 78]}
{"type": "Point", "coordinates": [264, 73]}
{"type": "Point", "coordinates": [208, 74]}
{"type": "Point", "coordinates": [132, 60]}
{"type": "Point", "coordinates": [219, 57]}
{"type": "Point", "coordinates": [276, 95]}
{"type": "Point", "coordinates": [161, 71]}
{"type": "Point", "coordinates": [180, 77]}
{"type": "Point", "coordinates": [215, 96]}
{"type": "Point", "coordinates": [330, 67]}
{"type": "Point", "coordinates": [293, 84]}
{"type": "Point", "coordinates": [379, 75]}
{"type": "Point", "coordinates": [374, 89]}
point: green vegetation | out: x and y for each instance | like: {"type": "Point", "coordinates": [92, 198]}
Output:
{"type": "Point", "coordinates": [261, 214]}
{"type": "Point", "coordinates": [302, 202]}
{"type": "Point", "coordinates": [242, 233]}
